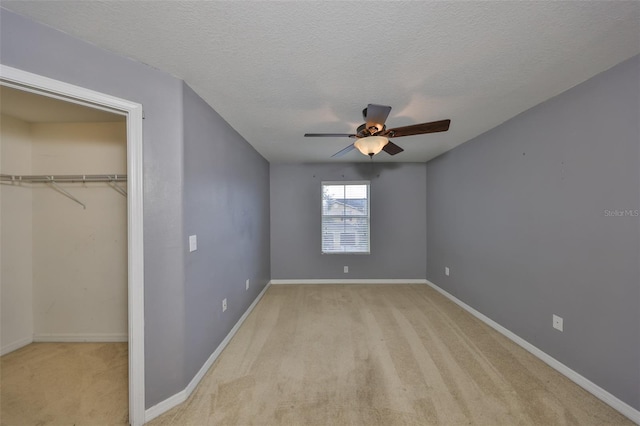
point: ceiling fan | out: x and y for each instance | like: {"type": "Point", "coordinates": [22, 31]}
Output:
{"type": "Point", "coordinates": [373, 136]}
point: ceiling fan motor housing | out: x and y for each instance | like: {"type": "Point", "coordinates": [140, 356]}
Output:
{"type": "Point", "coordinates": [364, 131]}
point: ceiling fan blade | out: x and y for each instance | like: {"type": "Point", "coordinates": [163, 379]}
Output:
{"type": "Point", "coordinates": [392, 149]}
{"type": "Point", "coordinates": [376, 115]}
{"type": "Point", "coordinates": [419, 129]}
{"type": "Point", "coordinates": [328, 135]}
{"type": "Point", "coordinates": [344, 151]}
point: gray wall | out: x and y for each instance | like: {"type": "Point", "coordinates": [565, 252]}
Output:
{"type": "Point", "coordinates": [35, 48]}
{"type": "Point", "coordinates": [398, 247]}
{"type": "Point", "coordinates": [175, 178]}
{"type": "Point", "coordinates": [518, 214]}
{"type": "Point", "coordinates": [226, 204]}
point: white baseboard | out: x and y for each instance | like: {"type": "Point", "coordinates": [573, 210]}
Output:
{"type": "Point", "coordinates": [164, 406]}
{"type": "Point", "coordinates": [352, 281]}
{"type": "Point", "coordinates": [609, 399]}
{"type": "Point", "coordinates": [80, 337]}
{"type": "Point", "coordinates": [15, 345]}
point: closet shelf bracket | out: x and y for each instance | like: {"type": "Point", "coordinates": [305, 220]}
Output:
{"type": "Point", "coordinates": [117, 187]}
{"type": "Point", "coordinates": [64, 192]}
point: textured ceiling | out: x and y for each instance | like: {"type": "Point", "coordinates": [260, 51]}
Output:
{"type": "Point", "coordinates": [276, 70]}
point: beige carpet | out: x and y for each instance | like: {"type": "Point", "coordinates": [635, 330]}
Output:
{"type": "Point", "coordinates": [65, 384]}
{"type": "Point", "coordinates": [379, 355]}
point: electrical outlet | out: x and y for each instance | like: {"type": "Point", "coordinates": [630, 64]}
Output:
{"type": "Point", "coordinates": [246, 287]}
{"type": "Point", "coordinates": [557, 322]}
{"type": "Point", "coordinates": [224, 304]}
{"type": "Point", "coordinates": [346, 269]}
{"type": "Point", "coordinates": [446, 270]}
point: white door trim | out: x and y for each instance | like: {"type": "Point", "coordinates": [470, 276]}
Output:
{"type": "Point", "coordinates": [57, 89]}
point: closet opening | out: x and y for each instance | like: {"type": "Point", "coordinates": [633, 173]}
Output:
{"type": "Point", "coordinates": [70, 255]}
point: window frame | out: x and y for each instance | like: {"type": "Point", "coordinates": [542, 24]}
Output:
{"type": "Point", "coordinates": [368, 214]}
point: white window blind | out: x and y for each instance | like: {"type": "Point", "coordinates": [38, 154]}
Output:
{"type": "Point", "coordinates": [345, 217]}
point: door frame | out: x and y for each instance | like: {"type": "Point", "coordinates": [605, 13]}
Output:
{"type": "Point", "coordinates": [45, 86]}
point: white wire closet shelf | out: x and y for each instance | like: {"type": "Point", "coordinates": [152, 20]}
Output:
{"type": "Point", "coordinates": [53, 180]}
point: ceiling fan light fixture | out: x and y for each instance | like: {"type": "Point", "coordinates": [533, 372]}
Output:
{"type": "Point", "coordinates": [371, 145]}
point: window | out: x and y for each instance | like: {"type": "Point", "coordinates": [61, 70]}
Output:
{"type": "Point", "coordinates": [345, 217]}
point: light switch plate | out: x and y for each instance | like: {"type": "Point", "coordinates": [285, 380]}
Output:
{"type": "Point", "coordinates": [193, 243]}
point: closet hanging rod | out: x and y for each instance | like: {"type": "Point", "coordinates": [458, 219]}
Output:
{"type": "Point", "coordinates": [62, 178]}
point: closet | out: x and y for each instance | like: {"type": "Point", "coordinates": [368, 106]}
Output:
{"type": "Point", "coordinates": [63, 254]}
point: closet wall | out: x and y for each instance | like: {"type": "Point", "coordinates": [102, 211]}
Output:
{"type": "Point", "coordinates": [16, 283]}
{"type": "Point", "coordinates": [71, 283]}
